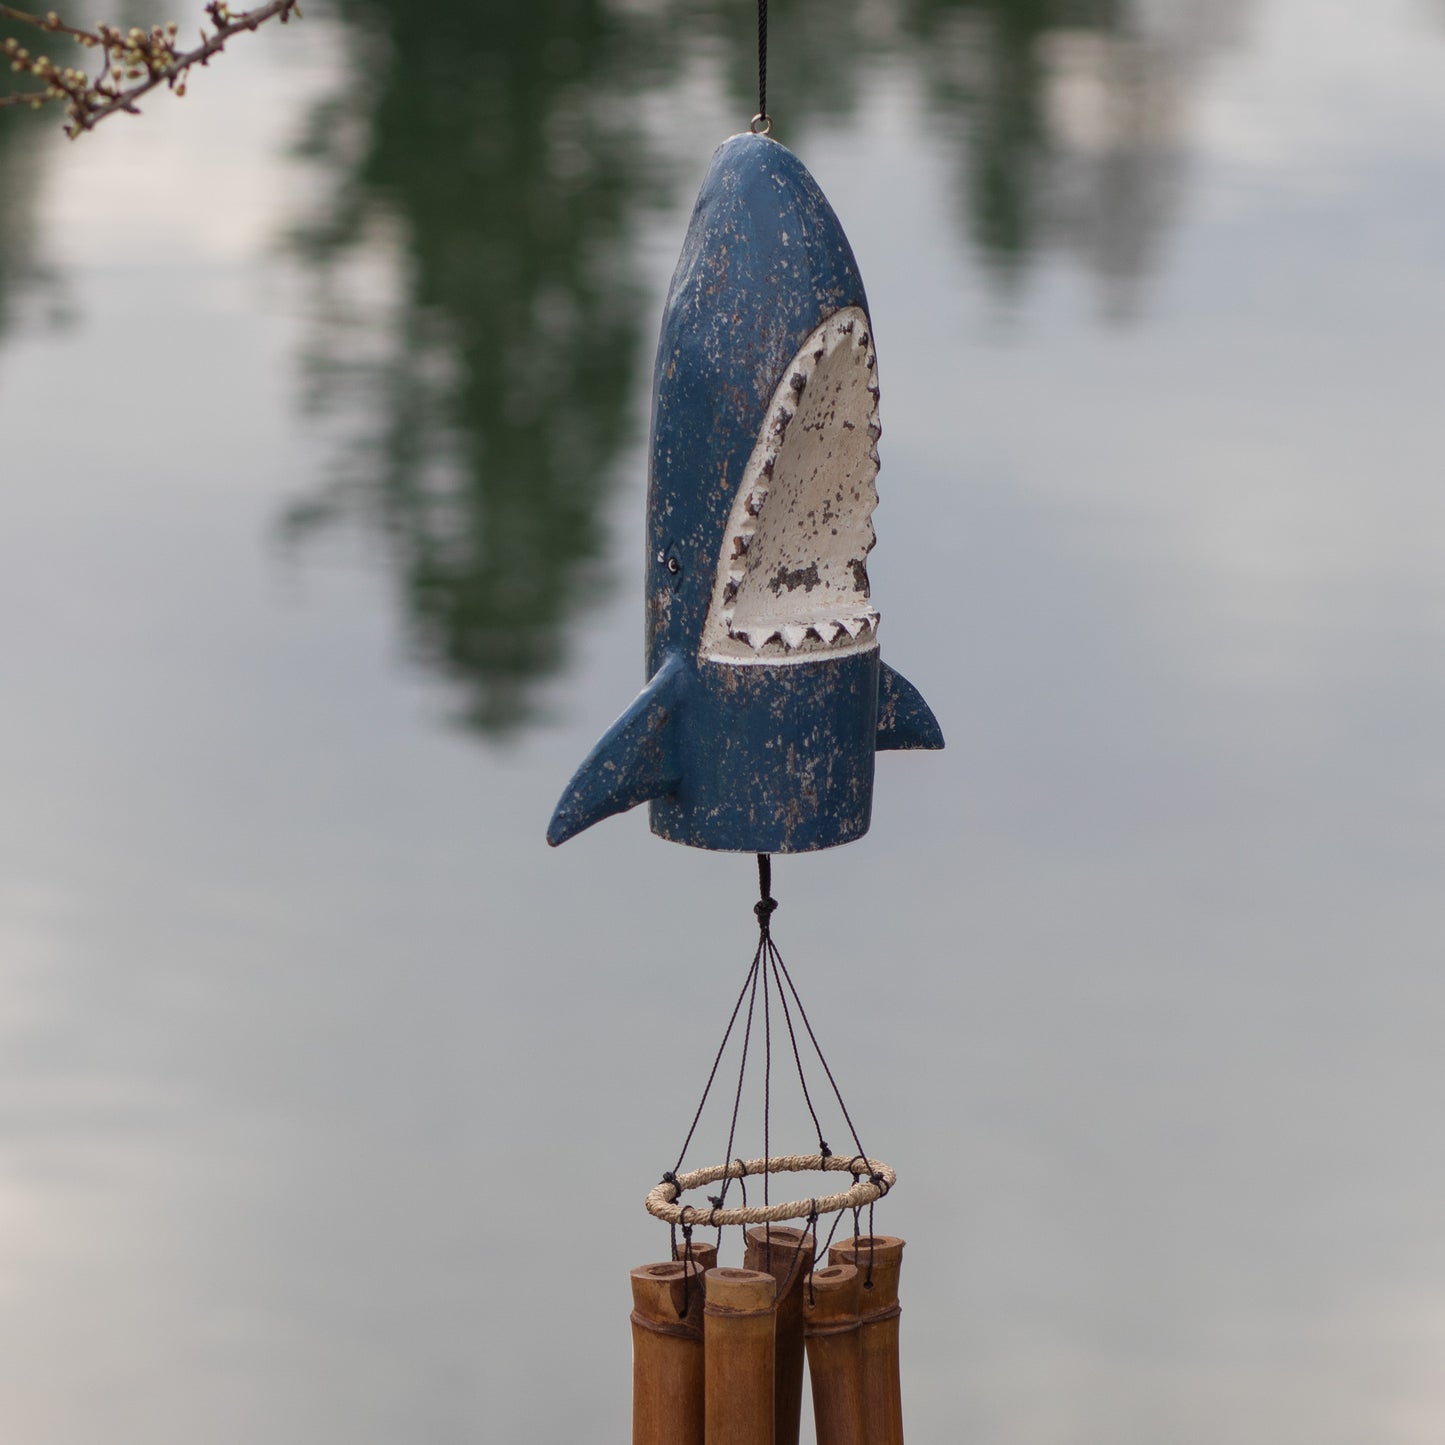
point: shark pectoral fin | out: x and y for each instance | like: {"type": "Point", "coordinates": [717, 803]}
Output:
{"type": "Point", "coordinates": [904, 719]}
{"type": "Point", "coordinates": [635, 759]}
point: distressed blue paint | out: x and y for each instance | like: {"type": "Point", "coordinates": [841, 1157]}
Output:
{"type": "Point", "coordinates": [776, 759]}
{"type": "Point", "coordinates": [743, 300]}
{"type": "Point", "coordinates": [753, 757]}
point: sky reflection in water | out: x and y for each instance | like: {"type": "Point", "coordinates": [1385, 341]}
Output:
{"type": "Point", "coordinates": [330, 1095]}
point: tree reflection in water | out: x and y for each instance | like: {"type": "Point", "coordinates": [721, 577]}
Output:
{"type": "Point", "coordinates": [503, 156]}
{"type": "Point", "coordinates": [499, 391]}
{"type": "Point", "coordinates": [23, 142]}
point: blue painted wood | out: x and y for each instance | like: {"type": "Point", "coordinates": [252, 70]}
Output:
{"type": "Point", "coordinates": [752, 756]}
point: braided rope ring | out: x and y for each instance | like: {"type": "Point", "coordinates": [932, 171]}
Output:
{"type": "Point", "coordinates": [662, 1199]}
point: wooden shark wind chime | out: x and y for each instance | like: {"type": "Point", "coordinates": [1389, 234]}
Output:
{"type": "Point", "coordinates": [766, 703]}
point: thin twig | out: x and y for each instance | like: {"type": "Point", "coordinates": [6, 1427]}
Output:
{"type": "Point", "coordinates": [147, 58]}
{"type": "Point", "coordinates": [51, 22]}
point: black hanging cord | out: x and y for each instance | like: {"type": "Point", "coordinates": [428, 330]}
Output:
{"type": "Point", "coordinates": [712, 1073]}
{"type": "Point", "coordinates": [822, 1253]}
{"type": "Point", "coordinates": [768, 966]}
{"type": "Point", "coordinates": [687, 1263]}
{"type": "Point", "coordinates": [823, 1148]}
{"type": "Point", "coordinates": [767, 945]}
{"type": "Point", "coordinates": [762, 121]}
{"type": "Point", "coordinates": [766, 904]}
{"type": "Point", "coordinates": [817, 1048]}
{"type": "Point", "coordinates": [742, 1070]}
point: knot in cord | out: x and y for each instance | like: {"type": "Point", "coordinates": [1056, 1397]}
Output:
{"type": "Point", "coordinates": [767, 904]}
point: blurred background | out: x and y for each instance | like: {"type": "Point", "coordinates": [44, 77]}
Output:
{"type": "Point", "coordinates": [329, 1094]}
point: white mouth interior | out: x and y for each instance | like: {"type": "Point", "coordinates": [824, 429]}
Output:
{"type": "Point", "coordinates": [792, 581]}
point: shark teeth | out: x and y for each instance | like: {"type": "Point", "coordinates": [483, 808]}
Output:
{"type": "Point", "coordinates": [790, 583]}
{"type": "Point", "coordinates": [803, 637]}
{"type": "Point", "coordinates": [756, 637]}
{"type": "Point", "coordinates": [862, 625]}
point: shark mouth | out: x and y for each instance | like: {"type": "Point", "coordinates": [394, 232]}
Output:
{"type": "Point", "coordinates": [791, 582]}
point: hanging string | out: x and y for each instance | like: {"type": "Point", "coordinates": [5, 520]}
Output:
{"type": "Point", "coordinates": [762, 121]}
{"type": "Point", "coordinates": [768, 967]}
{"type": "Point", "coordinates": [822, 1254]}
{"type": "Point", "coordinates": [872, 1247]}
{"type": "Point", "coordinates": [712, 1073]}
{"type": "Point", "coordinates": [670, 1175]}
{"type": "Point", "coordinates": [764, 909]}
{"type": "Point", "coordinates": [721, 1198]}
{"type": "Point", "coordinates": [763, 58]}
{"type": "Point", "coordinates": [765, 943]}
{"type": "Point", "coordinates": [823, 1148]}
{"type": "Point", "coordinates": [766, 905]}
{"type": "Point", "coordinates": [777, 960]}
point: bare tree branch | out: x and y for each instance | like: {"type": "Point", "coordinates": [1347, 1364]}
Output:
{"type": "Point", "coordinates": [132, 62]}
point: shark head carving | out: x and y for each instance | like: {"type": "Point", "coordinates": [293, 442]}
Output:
{"type": "Point", "coordinates": [766, 698]}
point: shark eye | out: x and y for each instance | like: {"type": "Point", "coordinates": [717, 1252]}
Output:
{"type": "Point", "coordinates": [673, 565]}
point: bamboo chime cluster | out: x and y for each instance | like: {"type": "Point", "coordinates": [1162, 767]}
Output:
{"type": "Point", "coordinates": [717, 1354]}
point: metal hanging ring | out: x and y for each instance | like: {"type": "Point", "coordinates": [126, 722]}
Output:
{"type": "Point", "coordinates": [870, 1184]}
{"type": "Point", "coordinates": [761, 124]}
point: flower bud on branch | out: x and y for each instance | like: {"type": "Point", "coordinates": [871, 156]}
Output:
{"type": "Point", "coordinates": [131, 62]}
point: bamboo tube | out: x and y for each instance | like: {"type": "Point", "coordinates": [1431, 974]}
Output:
{"type": "Point", "coordinates": [667, 1362]}
{"type": "Point", "coordinates": [739, 1323]}
{"type": "Point", "coordinates": [704, 1255]}
{"type": "Point", "coordinates": [835, 1363]}
{"type": "Point", "coordinates": [878, 1332]}
{"type": "Point", "coordinates": [787, 1255]}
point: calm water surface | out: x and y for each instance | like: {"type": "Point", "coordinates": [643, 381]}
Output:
{"type": "Point", "coordinates": [328, 1095]}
